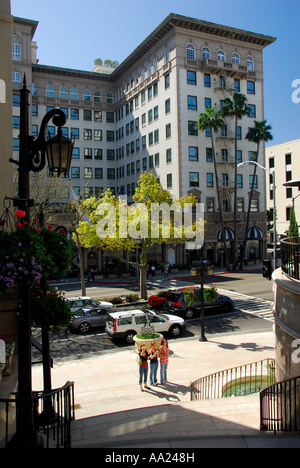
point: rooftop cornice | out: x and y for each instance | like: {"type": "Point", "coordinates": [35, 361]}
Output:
{"type": "Point", "coordinates": [191, 24]}
{"type": "Point", "coordinates": [39, 68]}
{"type": "Point", "coordinates": [33, 24]}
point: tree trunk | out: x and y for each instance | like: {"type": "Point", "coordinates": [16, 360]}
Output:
{"type": "Point", "coordinates": [81, 269]}
{"type": "Point", "coordinates": [219, 199]}
{"type": "Point", "coordinates": [143, 273]}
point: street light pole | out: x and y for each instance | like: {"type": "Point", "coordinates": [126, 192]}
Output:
{"type": "Point", "coordinates": [202, 336]}
{"type": "Point", "coordinates": [32, 157]}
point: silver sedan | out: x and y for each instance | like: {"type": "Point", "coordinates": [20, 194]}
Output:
{"type": "Point", "coordinates": [86, 318]}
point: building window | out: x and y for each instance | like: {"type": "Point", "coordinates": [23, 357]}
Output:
{"type": "Point", "coordinates": [168, 131]}
{"type": "Point", "coordinates": [239, 181]}
{"type": "Point", "coordinates": [88, 173]}
{"type": "Point", "coordinates": [109, 98]}
{"type": "Point", "coordinates": [206, 53]}
{"type": "Point", "coordinates": [87, 134]}
{"type": "Point", "coordinates": [88, 153]}
{"type": "Point", "coordinates": [192, 130]}
{"type": "Point", "coordinates": [87, 95]}
{"type": "Point", "coordinates": [252, 112]}
{"type": "Point", "coordinates": [209, 179]}
{"type": "Point", "coordinates": [193, 153]}
{"type": "Point", "coordinates": [75, 172]}
{"type": "Point", "coordinates": [221, 56]}
{"type": "Point", "coordinates": [74, 94]}
{"type": "Point", "coordinates": [168, 155]}
{"type": "Point", "coordinates": [254, 206]}
{"type": "Point", "coordinates": [98, 153]}
{"type": "Point", "coordinates": [207, 80]}
{"type": "Point", "coordinates": [75, 133]}
{"type": "Point", "coordinates": [169, 181]}
{"type": "Point", "coordinates": [251, 87]}
{"type": "Point", "coordinates": [194, 179]}
{"type": "Point", "coordinates": [16, 48]}
{"type": "Point", "coordinates": [209, 155]}
{"type": "Point", "coordinates": [191, 77]}
{"type": "Point", "coordinates": [253, 181]}
{"type": "Point", "coordinates": [167, 106]}
{"type": "Point", "coordinates": [190, 52]}
{"type": "Point", "coordinates": [63, 92]}
{"type": "Point", "coordinates": [237, 85]}
{"type": "Point", "coordinates": [207, 103]}
{"type": "Point", "coordinates": [97, 96]}
{"type": "Point", "coordinates": [111, 174]}
{"type": "Point", "coordinates": [250, 63]}
{"type": "Point", "coordinates": [87, 114]}
{"type": "Point", "coordinates": [110, 135]}
{"type": "Point", "coordinates": [74, 114]}
{"type": "Point", "coordinates": [75, 154]}
{"type": "Point", "coordinates": [167, 81]}
{"type": "Point", "coordinates": [210, 205]}
{"type": "Point", "coordinates": [192, 102]}
{"type": "Point", "coordinates": [50, 93]}
{"type": "Point", "coordinates": [97, 135]}
{"type": "Point", "coordinates": [16, 78]}
{"type": "Point", "coordinates": [235, 58]}
{"type": "Point", "coordinates": [98, 173]}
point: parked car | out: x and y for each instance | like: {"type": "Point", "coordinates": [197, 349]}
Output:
{"type": "Point", "coordinates": [126, 324]}
{"type": "Point", "coordinates": [84, 302]}
{"type": "Point", "coordinates": [85, 319]}
{"type": "Point", "coordinates": [176, 304]}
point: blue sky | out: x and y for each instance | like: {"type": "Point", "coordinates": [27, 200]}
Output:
{"type": "Point", "coordinates": [72, 34]}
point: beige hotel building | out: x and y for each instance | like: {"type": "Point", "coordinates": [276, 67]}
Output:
{"type": "Point", "coordinates": [142, 116]}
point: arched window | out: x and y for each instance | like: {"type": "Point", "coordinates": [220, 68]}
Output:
{"type": "Point", "coordinates": [155, 65]}
{"type": "Point", "coordinates": [86, 95]}
{"type": "Point", "coordinates": [74, 94]}
{"type": "Point", "coordinates": [190, 51]}
{"type": "Point", "coordinates": [149, 70]}
{"type": "Point", "coordinates": [97, 96]}
{"type": "Point", "coordinates": [235, 58]}
{"type": "Point", "coordinates": [221, 56]}
{"type": "Point", "coordinates": [63, 92]}
{"type": "Point", "coordinates": [34, 89]}
{"type": "Point", "coordinates": [109, 98]}
{"type": "Point", "coordinates": [250, 63]}
{"type": "Point", "coordinates": [143, 74]}
{"type": "Point", "coordinates": [50, 91]}
{"type": "Point", "coordinates": [16, 48]}
{"type": "Point", "coordinates": [206, 53]}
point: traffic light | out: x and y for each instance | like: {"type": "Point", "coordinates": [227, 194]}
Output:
{"type": "Point", "coordinates": [267, 269]}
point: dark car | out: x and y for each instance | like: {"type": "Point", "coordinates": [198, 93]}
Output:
{"type": "Point", "coordinates": [176, 305]}
{"type": "Point", "coordinates": [86, 318]}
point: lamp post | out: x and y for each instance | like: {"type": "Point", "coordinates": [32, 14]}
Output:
{"type": "Point", "coordinates": [202, 272]}
{"type": "Point", "coordinates": [32, 157]}
{"type": "Point", "coordinates": [274, 205]}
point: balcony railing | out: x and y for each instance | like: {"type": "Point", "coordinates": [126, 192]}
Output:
{"type": "Point", "coordinates": [290, 257]}
{"type": "Point", "coordinates": [238, 381]}
{"type": "Point", "coordinates": [53, 413]}
{"type": "Point", "coordinates": [279, 406]}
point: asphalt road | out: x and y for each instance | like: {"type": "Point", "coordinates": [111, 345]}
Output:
{"type": "Point", "coordinates": [246, 318]}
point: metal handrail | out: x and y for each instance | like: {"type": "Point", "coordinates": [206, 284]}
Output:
{"type": "Point", "coordinates": [53, 413]}
{"type": "Point", "coordinates": [280, 406]}
{"type": "Point", "coordinates": [242, 380]}
{"type": "Point", "coordinates": [290, 257]}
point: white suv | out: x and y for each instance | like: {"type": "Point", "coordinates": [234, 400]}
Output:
{"type": "Point", "coordinates": [127, 324]}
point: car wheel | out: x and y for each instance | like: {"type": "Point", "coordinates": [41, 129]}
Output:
{"type": "Point", "coordinates": [227, 307]}
{"type": "Point", "coordinates": [175, 330]}
{"type": "Point", "coordinates": [129, 337]}
{"type": "Point", "coordinates": [84, 327]}
{"type": "Point", "coordinates": [189, 313]}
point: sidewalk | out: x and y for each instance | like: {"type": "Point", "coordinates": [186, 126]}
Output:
{"type": "Point", "coordinates": [112, 412]}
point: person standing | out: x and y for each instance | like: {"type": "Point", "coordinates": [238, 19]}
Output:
{"type": "Point", "coordinates": [153, 271]}
{"type": "Point", "coordinates": [143, 367]}
{"type": "Point", "coordinates": [153, 356]}
{"type": "Point", "coordinates": [164, 360]}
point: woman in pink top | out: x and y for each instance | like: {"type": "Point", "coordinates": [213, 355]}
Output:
{"type": "Point", "coordinates": [164, 360]}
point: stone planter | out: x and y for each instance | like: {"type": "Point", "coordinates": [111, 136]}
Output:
{"type": "Point", "coordinates": [193, 272]}
{"type": "Point", "coordinates": [112, 276]}
{"type": "Point", "coordinates": [140, 341]}
{"type": "Point", "coordinates": [98, 277]}
{"type": "Point", "coordinates": [126, 275]}
{"type": "Point", "coordinates": [174, 270]}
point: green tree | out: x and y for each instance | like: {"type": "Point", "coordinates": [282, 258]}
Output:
{"type": "Point", "coordinates": [258, 134]}
{"type": "Point", "coordinates": [213, 120]}
{"type": "Point", "coordinates": [293, 229]}
{"type": "Point", "coordinates": [237, 108]}
{"type": "Point", "coordinates": [139, 226]}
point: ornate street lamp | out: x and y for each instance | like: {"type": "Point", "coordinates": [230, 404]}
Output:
{"type": "Point", "coordinates": [32, 157]}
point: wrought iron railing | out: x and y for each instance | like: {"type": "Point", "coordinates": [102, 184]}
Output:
{"type": "Point", "coordinates": [237, 381]}
{"type": "Point", "coordinates": [290, 257]}
{"type": "Point", "coordinates": [280, 406]}
{"type": "Point", "coordinates": [53, 413]}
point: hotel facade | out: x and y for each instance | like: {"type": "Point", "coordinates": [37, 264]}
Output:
{"type": "Point", "coordinates": [142, 116]}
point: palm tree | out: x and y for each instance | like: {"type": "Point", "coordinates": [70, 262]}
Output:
{"type": "Point", "coordinates": [259, 133]}
{"type": "Point", "coordinates": [236, 108]}
{"type": "Point", "coordinates": [213, 120]}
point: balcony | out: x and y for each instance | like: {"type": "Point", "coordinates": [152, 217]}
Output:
{"type": "Point", "coordinates": [290, 257]}
{"type": "Point", "coordinates": [220, 67]}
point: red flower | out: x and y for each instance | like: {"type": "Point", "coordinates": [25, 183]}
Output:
{"type": "Point", "coordinates": [19, 225]}
{"type": "Point", "coordinates": [50, 226]}
{"type": "Point", "coordinates": [20, 214]}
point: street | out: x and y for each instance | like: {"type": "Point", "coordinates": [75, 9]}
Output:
{"type": "Point", "coordinates": [251, 314]}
